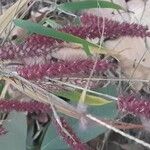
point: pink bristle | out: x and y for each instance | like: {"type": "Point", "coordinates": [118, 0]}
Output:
{"type": "Point", "coordinates": [74, 142]}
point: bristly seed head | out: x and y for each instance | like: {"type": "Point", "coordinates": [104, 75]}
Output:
{"type": "Point", "coordinates": [22, 106]}
{"type": "Point", "coordinates": [73, 141]}
{"type": "Point", "coordinates": [30, 48]}
{"type": "Point", "coordinates": [64, 68]}
{"type": "Point", "coordinates": [39, 45]}
{"type": "Point", "coordinates": [134, 105]}
{"type": "Point", "coordinates": [112, 29]}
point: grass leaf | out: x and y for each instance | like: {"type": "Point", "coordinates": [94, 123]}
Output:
{"type": "Point", "coordinates": [81, 5]}
{"type": "Point", "coordinates": [39, 29]}
{"type": "Point", "coordinates": [89, 99]}
{"type": "Point", "coordinates": [52, 23]}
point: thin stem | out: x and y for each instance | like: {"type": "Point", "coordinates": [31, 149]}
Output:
{"type": "Point", "coordinates": [88, 90]}
{"type": "Point", "coordinates": [89, 116]}
{"type": "Point", "coordinates": [108, 79]}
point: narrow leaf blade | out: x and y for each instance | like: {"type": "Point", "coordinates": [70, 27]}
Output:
{"type": "Point", "coordinates": [81, 5]}
{"type": "Point", "coordinates": [89, 100]}
{"type": "Point", "coordinates": [39, 29]}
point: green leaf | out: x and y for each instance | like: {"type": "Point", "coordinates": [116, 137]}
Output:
{"type": "Point", "coordinates": [15, 139]}
{"type": "Point", "coordinates": [39, 29]}
{"type": "Point", "coordinates": [109, 90]}
{"type": "Point", "coordinates": [52, 23]}
{"type": "Point", "coordinates": [90, 99]}
{"type": "Point", "coordinates": [77, 6]}
{"type": "Point", "coordinates": [52, 140]}
{"type": "Point", "coordinates": [108, 111]}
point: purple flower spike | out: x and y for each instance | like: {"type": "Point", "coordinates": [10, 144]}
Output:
{"type": "Point", "coordinates": [112, 29]}
{"type": "Point", "coordinates": [64, 68]}
{"type": "Point", "coordinates": [37, 45]}
{"type": "Point", "coordinates": [134, 105]}
{"type": "Point", "coordinates": [30, 48]}
{"type": "Point", "coordinates": [31, 106]}
{"type": "Point", "coordinates": [41, 44]}
{"type": "Point", "coordinates": [74, 142]}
